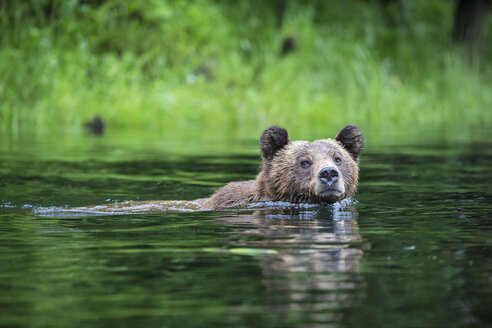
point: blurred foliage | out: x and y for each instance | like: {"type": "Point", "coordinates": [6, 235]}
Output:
{"type": "Point", "coordinates": [386, 66]}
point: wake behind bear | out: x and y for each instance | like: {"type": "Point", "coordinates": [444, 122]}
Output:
{"type": "Point", "coordinates": [322, 171]}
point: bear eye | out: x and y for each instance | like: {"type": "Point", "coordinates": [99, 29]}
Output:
{"type": "Point", "coordinates": [338, 160]}
{"type": "Point", "coordinates": [305, 164]}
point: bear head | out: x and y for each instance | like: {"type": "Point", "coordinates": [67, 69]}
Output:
{"type": "Point", "coordinates": [311, 172]}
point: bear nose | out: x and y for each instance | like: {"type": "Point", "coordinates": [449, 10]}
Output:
{"type": "Point", "coordinates": [329, 175]}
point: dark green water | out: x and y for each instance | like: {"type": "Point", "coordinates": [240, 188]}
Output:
{"type": "Point", "coordinates": [413, 250]}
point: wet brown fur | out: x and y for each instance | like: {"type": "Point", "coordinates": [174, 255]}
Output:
{"type": "Point", "coordinates": [282, 177]}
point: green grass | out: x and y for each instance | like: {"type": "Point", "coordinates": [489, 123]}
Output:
{"type": "Point", "coordinates": [205, 65]}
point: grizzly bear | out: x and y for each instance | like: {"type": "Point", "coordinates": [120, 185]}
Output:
{"type": "Point", "coordinates": [322, 171]}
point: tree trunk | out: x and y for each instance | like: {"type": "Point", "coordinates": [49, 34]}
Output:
{"type": "Point", "coordinates": [469, 18]}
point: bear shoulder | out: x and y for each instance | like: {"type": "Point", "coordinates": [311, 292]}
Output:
{"type": "Point", "coordinates": [232, 194]}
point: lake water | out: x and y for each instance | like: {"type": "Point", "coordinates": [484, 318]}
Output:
{"type": "Point", "coordinates": [413, 249]}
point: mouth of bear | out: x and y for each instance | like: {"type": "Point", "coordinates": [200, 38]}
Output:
{"type": "Point", "coordinates": [329, 193]}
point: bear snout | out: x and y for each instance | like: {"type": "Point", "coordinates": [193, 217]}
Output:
{"type": "Point", "coordinates": [329, 185]}
{"type": "Point", "coordinates": [329, 175]}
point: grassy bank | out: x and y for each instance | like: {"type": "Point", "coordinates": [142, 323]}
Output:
{"type": "Point", "coordinates": [205, 64]}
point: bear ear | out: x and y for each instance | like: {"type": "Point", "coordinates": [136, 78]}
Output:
{"type": "Point", "coordinates": [351, 139]}
{"type": "Point", "coordinates": [273, 139]}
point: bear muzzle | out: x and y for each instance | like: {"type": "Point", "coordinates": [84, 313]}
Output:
{"type": "Point", "coordinates": [329, 183]}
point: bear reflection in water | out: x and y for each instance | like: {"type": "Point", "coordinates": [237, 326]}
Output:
{"type": "Point", "coordinates": [322, 171]}
{"type": "Point", "coordinates": [311, 257]}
